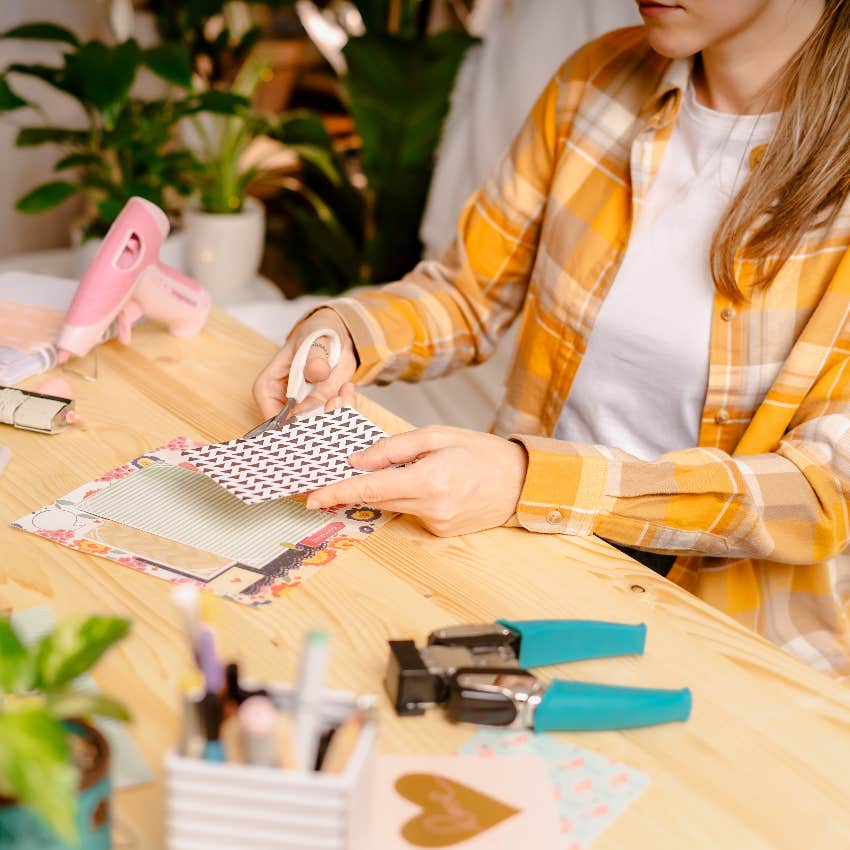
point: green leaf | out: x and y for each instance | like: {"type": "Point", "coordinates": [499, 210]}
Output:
{"type": "Point", "coordinates": [15, 661]}
{"type": "Point", "coordinates": [171, 62]}
{"type": "Point", "coordinates": [46, 197]}
{"type": "Point", "coordinates": [73, 647]}
{"type": "Point", "coordinates": [8, 99]}
{"type": "Point", "coordinates": [399, 91]}
{"type": "Point", "coordinates": [216, 101]}
{"type": "Point", "coordinates": [75, 160]}
{"type": "Point", "coordinates": [103, 75]}
{"type": "Point", "coordinates": [49, 74]}
{"type": "Point", "coordinates": [30, 136]}
{"type": "Point", "coordinates": [35, 767]}
{"type": "Point", "coordinates": [80, 704]}
{"type": "Point", "coordinates": [42, 32]}
{"type": "Point", "coordinates": [321, 158]}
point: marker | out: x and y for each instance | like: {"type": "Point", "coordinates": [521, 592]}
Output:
{"type": "Point", "coordinates": [192, 737]}
{"type": "Point", "coordinates": [208, 660]}
{"type": "Point", "coordinates": [257, 718]}
{"type": "Point", "coordinates": [284, 741]}
{"type": "Point", "coordinates": [342, 744]}
{"type": "Point", "coordinates": [231, 740]}
{"type": "Point", "coordinates": [185, 598]}
{"type": "Point", "coordinates": [213, 749]}
{"type": "Point", "coordinates": [311, 676]}
{"type": "Point", "coordinates": [235, 692]}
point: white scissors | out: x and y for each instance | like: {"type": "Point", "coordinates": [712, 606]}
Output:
{"type": "Point", "coordinates": [297, 386]}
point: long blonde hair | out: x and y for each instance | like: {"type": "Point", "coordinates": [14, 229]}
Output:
{"type": "Point", "coordinates": [804, 172]}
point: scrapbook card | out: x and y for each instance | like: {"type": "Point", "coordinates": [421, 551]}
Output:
{"type": "Point", "coordinates": [591, 790]}
{"type": "Point", "coordinates": [463, 802]}
{"type": "Point", "coordinates": [159, 515]}
{"type": "Point", "coordinates": [300, 457]}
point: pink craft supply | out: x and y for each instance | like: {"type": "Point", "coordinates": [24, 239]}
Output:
{"type": "Point", "coordinates": [55, 386]}
{"type": "Point", "coordinates": [126, 280]}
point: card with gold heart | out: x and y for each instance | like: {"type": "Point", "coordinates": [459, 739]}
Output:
{"type": "Point", "coordinates": [463, 802]}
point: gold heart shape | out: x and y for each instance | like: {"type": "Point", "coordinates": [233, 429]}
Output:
{"type": "Point", "coordinates": [451, 812]}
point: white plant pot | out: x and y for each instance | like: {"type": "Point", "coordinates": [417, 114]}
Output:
{"type": "Point", "coordinates": [172, 252]}
{"type": "Point", "coordinates": [223, 250]}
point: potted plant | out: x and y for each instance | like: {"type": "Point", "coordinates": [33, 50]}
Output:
{"type": "Point", "coordinates": [121, 145]}
{"type": "Point", "coordinates": [397, 78]}
{"type": "Point", "coordinates": [54, 766]}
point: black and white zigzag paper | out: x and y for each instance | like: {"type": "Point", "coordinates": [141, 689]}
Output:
{"type": "Point", "coordinates": [300, 457]}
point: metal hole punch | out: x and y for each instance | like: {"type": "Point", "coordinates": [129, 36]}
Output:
{"type": "Point", "coordinates": [478, 673]}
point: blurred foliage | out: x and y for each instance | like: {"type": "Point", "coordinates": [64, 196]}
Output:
{"type": "Point", "coordinates": [37, 697]}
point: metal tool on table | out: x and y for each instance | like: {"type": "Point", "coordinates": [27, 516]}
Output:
{"type": "Point", "coordinates": [297, 386]}
{"type": "Point", "coordinates": [479, 673]}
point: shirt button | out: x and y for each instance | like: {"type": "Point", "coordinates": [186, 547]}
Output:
{"type": "Point", "coordinates": [727, 313]}
{"type": "Point", "coordinates": [721, 417]}
{"type": "Point", "coordinates": [554, 517]}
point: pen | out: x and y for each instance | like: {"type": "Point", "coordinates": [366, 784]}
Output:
{"type": "Point", "coordinates": [257, 718]}
{"type": "Point", "coordinates": [208, 659]}
{"type": "Point", "coordinates": [311, 676]}
{"type": "Point", "coordinates": [185, 599]}
{"type": "Point", "coordinates": [213, 749]}
{"type": "Point", "coordinates": [231, 739]}
{"type": "Point", "coordinates": [192, 738]}
{"type": "Point", "coordinates": [235, 692]}
{"type": "Point", "coordinates": [342, 744]}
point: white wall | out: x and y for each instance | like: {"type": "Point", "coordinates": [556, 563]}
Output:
{"type": "Point", "coordinates": [23, 168]}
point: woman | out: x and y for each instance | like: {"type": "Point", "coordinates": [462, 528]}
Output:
{"type": "Point", "coordinates": [673, 224]}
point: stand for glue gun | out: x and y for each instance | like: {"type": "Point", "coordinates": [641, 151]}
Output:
{"type": "Point", "coordinates": [126, 281]}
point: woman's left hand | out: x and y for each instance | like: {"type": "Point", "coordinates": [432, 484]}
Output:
{"type": "Point", "coordinates": [457, 481]}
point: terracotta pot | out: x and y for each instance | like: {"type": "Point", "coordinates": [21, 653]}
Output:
{"type": "Point", "coordinates": [24, 830]}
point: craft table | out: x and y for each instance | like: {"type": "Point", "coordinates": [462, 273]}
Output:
{"type": "Point", "coordinates": [763, 762]}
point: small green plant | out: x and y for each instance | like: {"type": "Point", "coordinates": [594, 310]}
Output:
{"type": "Point", "coordinates": [127, 145]}
{"type": "Point", "coordinates": [37, 697]}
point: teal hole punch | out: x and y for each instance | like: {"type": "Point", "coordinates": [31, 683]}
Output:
{"type": "Point", "coordinates": [478, 672]}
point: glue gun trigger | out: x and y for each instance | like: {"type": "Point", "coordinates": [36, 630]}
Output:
{"type": "Point", "coordinates": [131, 312]}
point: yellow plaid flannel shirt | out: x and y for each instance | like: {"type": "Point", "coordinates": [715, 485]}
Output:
{"type": "Point", "coordinates": [758, 512]}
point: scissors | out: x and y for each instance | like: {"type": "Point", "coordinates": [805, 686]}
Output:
{"type": "Point", "coordinates": [297, 386]}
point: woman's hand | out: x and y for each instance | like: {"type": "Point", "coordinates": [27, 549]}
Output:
{"type": "Point", "coordinates": [270, 384]}
{"type": "Point", "coordinates": [459, 481]}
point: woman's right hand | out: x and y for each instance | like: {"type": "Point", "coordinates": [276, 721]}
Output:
{"type": "Point", "coordinates": [270, 384]}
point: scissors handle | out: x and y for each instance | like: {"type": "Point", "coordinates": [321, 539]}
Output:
{"type": "Point", "coordinates": [297, 386]}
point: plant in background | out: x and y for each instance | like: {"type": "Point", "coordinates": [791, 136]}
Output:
{"type": "Point", "coordinates": [398, 81]}
{"type": "Point", "coordinates": [122, 146]}
{"type": "Point", "coordinates": [218, 35]}
{"type": "Point", "coordinates": [37, 698]}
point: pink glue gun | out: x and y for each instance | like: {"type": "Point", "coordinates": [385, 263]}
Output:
{"type": "Point", "coordinates": [126, 281]}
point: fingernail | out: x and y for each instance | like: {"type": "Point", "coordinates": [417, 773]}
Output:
{"type": "Point", "coordinates": [312, 504]}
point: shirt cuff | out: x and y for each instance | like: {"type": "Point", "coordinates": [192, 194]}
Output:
{"type": "Point", "coordinates": [371, 351]}
{"type": "Point", "coordinates": [564, 488]}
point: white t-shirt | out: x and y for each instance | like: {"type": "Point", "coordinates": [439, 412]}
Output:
{"type": "Point", "coordinates": [641, 384]}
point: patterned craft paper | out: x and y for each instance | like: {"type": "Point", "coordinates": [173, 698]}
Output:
{"type": "Point", "coordinates": [186, 507]}
{"type": "Point", "coordinates": [590, 790]}
{"type": "Point", "coordinates": [288, 543]}
{"type": "Point", "coordinates": [301, 457]}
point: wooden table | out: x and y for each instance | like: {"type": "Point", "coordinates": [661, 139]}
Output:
{"type": "Point", "coordinates": [764, 761]}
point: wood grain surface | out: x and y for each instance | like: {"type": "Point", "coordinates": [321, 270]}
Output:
{"type": "Point", "coordinates": [764, 761]}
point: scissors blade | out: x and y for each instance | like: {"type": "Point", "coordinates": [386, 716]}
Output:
{"type": "Point", "coordinates": [276, 422]}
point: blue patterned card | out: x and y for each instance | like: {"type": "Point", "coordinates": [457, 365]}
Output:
{"type": "Point", "coordinates": [590, 790]}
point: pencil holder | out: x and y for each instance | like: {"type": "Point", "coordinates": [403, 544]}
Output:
{"type": "Point", "coordinates": [222, 806]}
